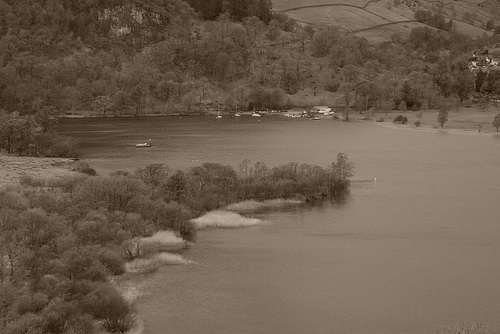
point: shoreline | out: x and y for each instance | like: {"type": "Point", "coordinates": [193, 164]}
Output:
{"type": "Point", "coordinates": [432, 129]}
{"type": "Point", "coordinates": [208, 114]}
{"type": "Point", "coordinates": [466, 121]}
{"type": "Point", "coordinates": [470, 121]}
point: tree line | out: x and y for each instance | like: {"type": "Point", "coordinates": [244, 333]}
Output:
{"type": "Point", "coordinates": [62, 241]}
{"type": "Point", "coordinates": [35, 135]}
{"type": "Point", "coordinates": [112, 58]}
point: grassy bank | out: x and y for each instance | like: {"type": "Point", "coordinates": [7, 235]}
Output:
{"type": "Point", "coordinates": [465, 120]}
{"type": "Point", "coordinates": [12, 167]}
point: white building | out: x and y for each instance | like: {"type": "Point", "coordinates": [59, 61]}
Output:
{"type": "Point", "coordinates": [321, 110]}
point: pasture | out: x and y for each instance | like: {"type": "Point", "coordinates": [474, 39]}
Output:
{"type": "Point", "coordinates": [372, 20]}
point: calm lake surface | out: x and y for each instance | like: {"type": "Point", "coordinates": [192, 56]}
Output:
{"type": "Point", "coordinates": [417, 250]}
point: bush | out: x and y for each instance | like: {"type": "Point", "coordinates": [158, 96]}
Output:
{"type": "Point", "coordinates": [106, 304]}
{"type": "Point", "coordinates": [111, 260]}
{"type": "Point", "coordinates": [83, 167]}
{"type": "Point", "coordinates": [32, 303]}
{"type": "Point", "coordinates": [50, 201]}
{"type": "Point", "coordinates": [82, 266]}
{"type": "Point", "coordinates": [380, 119]}
{"type": "Point", "coordinates": [417, 123]}
{"type": "Point", "coordinates": [67, 183]}
{"type": "Point", "coordinates": [54, 145]}
{"type": "Point", "coordinates": [32, 181]}
{"type": "Point", "coordinates": [28, 323]}
{"type": "Point", "coordinates": [62, 316]}
{"type": "Point", "coordinates": [188, 231]}
{"type": "Point", "coordinates": [400, 119]}
{"type": "Point", "coordinates": [136, 249]}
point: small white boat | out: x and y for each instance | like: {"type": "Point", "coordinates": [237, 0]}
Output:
{"type": "Point", "coordinates": [256, 114]}
{"type": "Point", "coordinates": [218, 117]}
{"type": "Point", "coordinates": [237, 115]}
{"type": "Point", "coordinates": [317, 118]}
{"type": "Point", "coordinates": [143, 145]}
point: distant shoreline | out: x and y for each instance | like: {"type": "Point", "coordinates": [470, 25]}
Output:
{"type": "Point", "coordinates": [211, 114]}
{"type": "Point", "coordinates": [466, 121]}
{"type": "Point", "coordinates": [436, 129]}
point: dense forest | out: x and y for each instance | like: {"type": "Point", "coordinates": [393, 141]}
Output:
{"type": "Point", "coordinates": [63, 240]}
{"type": "Point", "coordinates": [170, 56]}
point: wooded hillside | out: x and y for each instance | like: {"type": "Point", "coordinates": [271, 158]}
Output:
{"type": "Point", "coordinates": [136, 57]}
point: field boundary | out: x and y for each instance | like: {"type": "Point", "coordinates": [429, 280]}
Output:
{"type": "Point", "coordinates": [372, 13]}
{"type": "Point", "coordinates": [329, 5]}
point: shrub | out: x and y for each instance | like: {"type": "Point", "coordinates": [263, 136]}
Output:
{"type": "Point", "coordinates": [49, 201]}
{"type": "Point", "coordinates": [106, 304]}
{"type": "Point", "coordinates": [442, 116]}
{"type": "Point", "coordinates": [170, 216]}
{"type": "Point", "coordinates": [62, 316]}
{"type": "Point", "coordinates": [111, 260]}
{"type": "Point", "coordinates": [31, 304]}
{"type": "Point", "coordinates": [84, 167]}
{"type": "Point", "coordinates": [67, 183]}
{"type": "Point", "coordinates": [28, 323]}
{"type": "Point", "coordinates": [417, 123]}
{"type": "Point", "coordinates": [54, 145]}
{"type": "Point", "coordinates": [400, 119]}
{"type": "Point", "coordinates": [120, 173]}
{"type": "Point", "coordinates": [83, 266]}
{"type": "Point", "coordinates": [188, 231]}
{"type": "Point", "coordinates": [380, 119]}
{"type": "Point", "coordinates": [113, 193]}
{"type": "Point", "coordinates": [136, 249]}
{"type": "Point", "coordinates": [32, 181]}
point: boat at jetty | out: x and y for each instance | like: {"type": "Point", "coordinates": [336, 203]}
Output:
{"type": "Point", "coordinates": [256, 114]}
{"type": "Point", "coordinates": [143, 145]}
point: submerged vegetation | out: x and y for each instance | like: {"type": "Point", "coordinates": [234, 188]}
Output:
{"type": "Point", "coordinates": [62, 240]}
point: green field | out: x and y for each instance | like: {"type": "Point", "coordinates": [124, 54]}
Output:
{"type": "Point", "coordinates": [371, 18]}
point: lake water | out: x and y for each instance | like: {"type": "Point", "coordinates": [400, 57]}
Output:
{"type": "Point", "coordinates": [417, 250]}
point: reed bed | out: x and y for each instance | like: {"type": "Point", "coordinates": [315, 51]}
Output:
{"type": "Point", "coordinates": [224, 219]}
